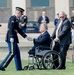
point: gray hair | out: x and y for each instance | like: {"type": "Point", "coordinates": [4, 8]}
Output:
{"type": "Point", "coordinates": [62, 12]}
{"type": "Point", "coordinates": [45, 25]}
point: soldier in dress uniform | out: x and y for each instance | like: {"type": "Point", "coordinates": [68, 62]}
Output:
{"type": "Point", "coordinates": [12, 41]}
{"type": "Point", "coordinates": [23, 22]}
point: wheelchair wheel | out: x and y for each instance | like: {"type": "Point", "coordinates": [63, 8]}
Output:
{"type": "Point", "coordinates": [50, 60]}
{"type": "Point", "coordinates": [39, 63]}
{"type": "Point", "coordinates": [26, 67]}
{"type": "Point", "coordinates": [31, 68]}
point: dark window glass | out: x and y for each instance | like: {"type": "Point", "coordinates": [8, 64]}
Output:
{"type": "Point", "coordinates": [39, 3]}
{"type": "Point", "coordinates": [3, 3]}
{"type": "Point", "coordinates": [73, 2]}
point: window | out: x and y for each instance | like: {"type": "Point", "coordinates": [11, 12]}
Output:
{"type": "Point", "coordinates": [39, 3]}
{"type": "Point", "coordinates": [73, 3]}
{"type": "Point", "coordinates": [3, 3]}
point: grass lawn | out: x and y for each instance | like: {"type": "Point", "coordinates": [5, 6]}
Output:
{"type": "Point", "coordinates": [10, 70]}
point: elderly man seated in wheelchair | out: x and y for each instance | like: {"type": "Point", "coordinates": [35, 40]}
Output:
{"type": "Point", "coordinates": [43, 39]}
{"type": "Point", "coordinates": [41, 51]}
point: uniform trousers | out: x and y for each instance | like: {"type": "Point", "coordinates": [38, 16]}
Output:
{"type": "Point", "coordinates": [13, 52]}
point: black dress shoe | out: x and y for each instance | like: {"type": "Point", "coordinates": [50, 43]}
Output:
{"type": "Point", "coordinates": [61, 68]}
{"type": "Point", "coordinates": [2, 68]}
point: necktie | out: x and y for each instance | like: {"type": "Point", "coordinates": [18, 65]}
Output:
{"type": "Point", "coordinates": [40, 35]}
{"type": "Point", "coordinates": [58, 29]}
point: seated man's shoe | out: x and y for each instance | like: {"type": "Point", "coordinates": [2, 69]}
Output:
{"type": "Point", "coordinates": [2, 68]}
{"type": "Point", "coordinates": [31, 52]}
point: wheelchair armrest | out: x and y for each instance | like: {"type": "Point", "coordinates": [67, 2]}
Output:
{"type": "Point", "coordinates": [43, 48]}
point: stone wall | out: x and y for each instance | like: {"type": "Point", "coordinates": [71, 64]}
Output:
{"type": "Point", "coordinates": [71, 9]}
{"type": "Point", "coordinates": [33, 13]}
{"type": "Point", "coordinates": [5, 13]}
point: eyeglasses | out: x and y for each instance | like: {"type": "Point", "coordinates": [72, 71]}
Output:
{"type": "Point", "coordinates": [62, 17]}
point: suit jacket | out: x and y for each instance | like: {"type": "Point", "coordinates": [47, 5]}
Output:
{"type": "Point", "coordinates": [13, 28]}
{"type": "Point", "coordinates": [41, 18]}
{"type": "Point", "coordinates": [64, 32]}
{"type": "Point", "coordinates": [43, 40]}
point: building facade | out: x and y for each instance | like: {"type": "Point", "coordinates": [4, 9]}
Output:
{"type": "Point", "coordinates": [33, 8]}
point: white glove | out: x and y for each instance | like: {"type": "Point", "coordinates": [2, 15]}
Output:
{"type": "Point", "coordinates": [11, 40]}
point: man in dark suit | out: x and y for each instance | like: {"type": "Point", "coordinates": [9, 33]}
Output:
{"type": "Point", "coordinates": [43, 40]}
{"type": "Point", "coordinates": [43, 18]}
{"type": "Point", "coordinates": [12, 40]}
{"type": "Point", "coordinates": [62, 38]}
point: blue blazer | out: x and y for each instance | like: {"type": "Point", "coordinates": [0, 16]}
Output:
{"type": "Point", "coordinates": [56, 21]}
{"type": "Point", "coordinates": [41, 18]}
{"type": "Point", "coordinates": [43, 40]}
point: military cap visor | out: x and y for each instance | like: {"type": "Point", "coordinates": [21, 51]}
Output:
{"type": "Point", "coordinates": [20, 9]}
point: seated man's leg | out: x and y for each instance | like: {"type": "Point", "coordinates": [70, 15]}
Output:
{"type": "Point", "coordinates": [32, 51]}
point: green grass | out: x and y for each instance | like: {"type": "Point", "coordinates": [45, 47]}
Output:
{"type": "Point", "coordinates": [10, 70]}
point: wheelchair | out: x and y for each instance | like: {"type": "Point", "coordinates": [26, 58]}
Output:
{"type": "Point", "coordinates": [44, 58]}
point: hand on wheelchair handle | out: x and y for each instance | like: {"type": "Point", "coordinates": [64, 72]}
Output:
{"type": "Point", "coordinates": [11, 40]}
{"type": "Point", "coordinates": [56, 40]}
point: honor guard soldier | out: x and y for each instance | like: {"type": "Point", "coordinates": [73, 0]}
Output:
{"type": "Point", "coordinates": [12, 41]}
